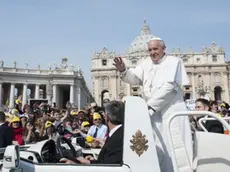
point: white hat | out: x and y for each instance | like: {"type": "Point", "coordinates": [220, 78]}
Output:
{"type": "Point", "coordinates": [155, 39]}
{"type": "Point", "coordinates": [24, 116]}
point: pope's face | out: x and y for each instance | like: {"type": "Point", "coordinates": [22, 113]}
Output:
{"type": "Point", "coordinates": [156, 50]}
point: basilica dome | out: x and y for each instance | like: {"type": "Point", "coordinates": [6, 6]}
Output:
{"type": "Point", "coordinates": [140, 42]}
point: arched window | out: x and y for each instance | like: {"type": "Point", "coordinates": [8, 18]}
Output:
{"type": "Point", "coordinates": [217, 93]}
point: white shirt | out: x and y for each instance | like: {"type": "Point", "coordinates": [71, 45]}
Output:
{"type": "Point", "coordinates": [114, 130]}
{"type": "Point", "coordinates": [101, 133]}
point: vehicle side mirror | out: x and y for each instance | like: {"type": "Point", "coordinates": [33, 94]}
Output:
{"type": "Point", "coordinates": [11, 157]}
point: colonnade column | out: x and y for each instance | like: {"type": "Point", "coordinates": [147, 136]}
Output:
{"type": "Point", "coordinates": [79, 97]}
{"type": "Point", "coordinates": [193, 86]}
{"type": "Point", "coordinates": [54, 94]}
{"type": "Point", "coordinates": [37, 88]}
{"type": "Point", "coordinates": [71, 94]}
{"type": "Point", "coordinates": [226, 87]}
{"type": "Point", "coordinates": [1, 95]}
{"type": "Point", "coordinates": [24, 95]}
{"type": "Point", "coordinates": [12, 96]}
{"type": "Point", "coordinates": [128, 93]}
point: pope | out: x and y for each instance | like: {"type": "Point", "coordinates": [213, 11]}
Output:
{"type": "Point", "coordinates": [162, 78]}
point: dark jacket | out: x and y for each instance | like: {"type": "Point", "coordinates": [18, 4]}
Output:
{"type": "Point", "coordinates": [6, 136]}
{"type": "Point", "coordinates": [214, 126]}
{"type": "Point", "coordinates": [112, 151]}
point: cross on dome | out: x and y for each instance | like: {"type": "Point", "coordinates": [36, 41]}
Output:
{"type": "Point", "coordinates": [145, 29]}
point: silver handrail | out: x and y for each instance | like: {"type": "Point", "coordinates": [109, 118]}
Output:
{"type": "Point", "coordinates": [187, 113]}
{"type": "Point", "coordinates": [210, 119]}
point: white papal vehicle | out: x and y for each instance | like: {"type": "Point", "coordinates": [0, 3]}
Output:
{"type": "Point", "coordinates": [211, 150]}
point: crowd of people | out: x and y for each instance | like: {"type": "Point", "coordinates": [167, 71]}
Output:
{"type": "Point", "coordinates": [41, 122]}
{"type": "Point", "coordinates": [28, 125]}
{"type": "Point", "coordinates": [221, 109]}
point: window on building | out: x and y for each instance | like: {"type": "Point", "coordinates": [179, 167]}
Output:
{"type": "Point", "coordinates": [135, 89]}
{"type": "Point", "coordinates": [104, 62]}
{"type": "Point", "coordinates": [134, 62]}
{"type": "Point", "coordinates": [187, 96]}
{"type": "Point", "coordinates": [214, 58]}
{"type": "Point", "coordinates": [198, 59]}
{"type": "Point", "coordinates": [185, 60]}
{"type": "Point", "coordinates": [186, 87]}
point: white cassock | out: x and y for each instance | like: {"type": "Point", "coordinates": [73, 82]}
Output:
{"type": "Point", "coordinates": [161, 88]}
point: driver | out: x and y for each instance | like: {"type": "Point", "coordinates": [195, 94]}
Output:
{"type": "Point", "coordinates": [111, 152]}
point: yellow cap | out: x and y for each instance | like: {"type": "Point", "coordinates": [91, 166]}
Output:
{"type": "Point", "coordinates": [18, 101]}
{"type": "Point", "coordinates": [15, 119]}
{"type": "Point", "coordinates": [222, 105]}
{"type": "Point", "coordinates": [74, 113]}
{"type": "Point", "coordinates": [219, 114]}
{"type": "Point", "coordinates": [96, 116]}
{"type": "Point", "coordinates": [89, 139]}
{"type": "Point", "coordinates": [15, 112]}
{"type": "Point", "coordinates": [80, 111]}
{"type": "Point", "coordinates": [8, 115]}
{"type": "Point", "coordinates": [48, 124]}
{"type": "Point", "coordinates": [85, 123]}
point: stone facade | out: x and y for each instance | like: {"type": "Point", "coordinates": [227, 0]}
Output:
{"type": "Point", "coordinates": [58, 84]}
{"type": "Point", "coordinates": [207, 70]}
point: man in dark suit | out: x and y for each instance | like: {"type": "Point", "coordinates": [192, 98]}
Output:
{"type": "Point", "coordinates": [112, 151]}
{"type": "Point", "coordinates": [6, 133]}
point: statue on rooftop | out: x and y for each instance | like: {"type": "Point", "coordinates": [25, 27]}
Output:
{"type": "Point", "coordinates": [78, 68]}
{"type": "Point", "coordinates": [26, 65]}
{"type": "Point", "coordinates": [55, 66]}
{"type": "Point", "coordinates": [72, 67]}
{"type": "Point", "coordinates": [15, 64]}
{"type": "Point", "coordinates": [50, 67]}
{"type": "Point", "coordinates": [205, 49]}
{"type": "Point", "coordinates": [1, 63]}
{"type": "Point", "coordinates": [64, 62]}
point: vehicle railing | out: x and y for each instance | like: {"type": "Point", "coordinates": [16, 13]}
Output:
{"type": "Point", "coordinates": [23, 147]}
{"type": "Point", "coordinates": [187, 113]}
{"type": "Point", "coordinates": [210, 119]}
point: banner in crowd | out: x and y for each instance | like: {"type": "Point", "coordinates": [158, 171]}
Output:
{"type": "Point", "coordinates": [191, 104]}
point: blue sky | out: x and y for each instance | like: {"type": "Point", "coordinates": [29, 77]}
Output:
{"type": "Point", "coordinates": [42, 32]}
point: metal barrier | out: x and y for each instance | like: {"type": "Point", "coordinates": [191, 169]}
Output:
{"type": "Point", "coordinates": [188, 113]}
